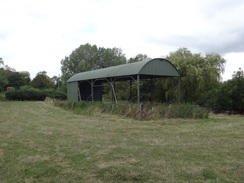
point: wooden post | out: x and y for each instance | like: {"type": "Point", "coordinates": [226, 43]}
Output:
{"type": "Point", "coordinates": [141, 111]}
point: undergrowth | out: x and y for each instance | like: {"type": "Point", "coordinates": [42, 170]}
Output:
{"type": "Point", "coordinates": [132, 110]}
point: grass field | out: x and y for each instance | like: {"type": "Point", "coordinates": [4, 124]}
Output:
{"type": "Point", "coordinates": [42, 143]}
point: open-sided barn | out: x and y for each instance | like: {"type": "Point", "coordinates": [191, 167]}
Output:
{"type": "Point", "coordinates": [87, 86]}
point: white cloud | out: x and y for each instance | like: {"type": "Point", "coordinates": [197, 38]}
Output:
{"type": "Point", "coordinates": [234, 61]}
{"type": "Point", "coordinates": [36, 35]}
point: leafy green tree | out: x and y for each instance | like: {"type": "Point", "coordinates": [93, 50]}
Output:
{"type": "Point", "coordinates": [227, 96]}
{"type": "Point", "coordinates": [57, 81]}
{"type": "Point", "coordinates": [198, 73]}
{"type": "Point", "coordinates": [3, 79]}
{"type": "Point", "coordinates": [138, 58]}
{"type": "Point", "coordinates": [1, 62]}
{"type": "Point", "coordinates": [237, 94]}
{"type": "Point", "coordinates": [16, 79]}
{"type": "Point", "coordinates": [89, 57]}
{"type": "Point", "coordinates": [42, 81]}
{"type": "Point", "coordinates": [26, 76]}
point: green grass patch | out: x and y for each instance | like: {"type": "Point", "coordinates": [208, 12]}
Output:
{"type": "Point", "coordinates": [40, 142]}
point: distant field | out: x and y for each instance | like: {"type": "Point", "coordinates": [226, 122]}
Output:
{"type": "Point", "coordinates": [42, 143]}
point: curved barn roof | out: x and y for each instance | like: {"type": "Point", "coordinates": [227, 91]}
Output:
{"type": "Point", "coordinates": [157, 67]}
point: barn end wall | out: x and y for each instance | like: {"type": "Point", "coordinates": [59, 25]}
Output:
{"type": "Point", "coordinates": [72, 91]}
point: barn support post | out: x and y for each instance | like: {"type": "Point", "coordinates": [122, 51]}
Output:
{"type": "Point", "coordinates": [179, 89]}
{"type": "Point", "coordinates": [130, 90]}
{"type": "Point", "coordinates": [138, 89]}
{"type": "Point", "coordinates": [92, 92]}
{"type": "Point", "coordinates": [141, 111]}
{"type": "Point", "coordinates": [151, 89]}
{"type": "Point", "coordinates": [112, 90]}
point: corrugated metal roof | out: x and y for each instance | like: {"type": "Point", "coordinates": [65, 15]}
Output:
{"type": "Point", "coordinates": [157, 67]}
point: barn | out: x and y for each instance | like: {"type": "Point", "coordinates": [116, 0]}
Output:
{"type": "Point", "coordinates": [87, 86]}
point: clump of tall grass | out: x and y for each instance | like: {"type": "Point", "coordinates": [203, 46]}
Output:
{"type": "Point", "coordinates": [182, 111]}
{"type": "Point", "coordinates": [132, 110]}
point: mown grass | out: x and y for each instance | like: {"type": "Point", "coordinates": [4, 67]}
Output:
{"type": "Point", "coordinates": [42, 143]}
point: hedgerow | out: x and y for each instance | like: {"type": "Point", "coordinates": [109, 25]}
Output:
{"type": "Point", "coordinates": [32, 94]}
{"type": "Point", "coordinates": [26, 94]}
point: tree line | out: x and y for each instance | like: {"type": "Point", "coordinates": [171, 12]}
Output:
{"type": "Point", "coordinates": [10, 78]}
{"type": "Point", "coordinates": [200, 77]}
{"type": "Point", "coordinates": [19, 86]}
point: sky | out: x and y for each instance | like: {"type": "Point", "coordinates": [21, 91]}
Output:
{"type": "Point", "coordinates": [36, 35]}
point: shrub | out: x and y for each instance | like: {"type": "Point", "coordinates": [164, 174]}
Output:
{"type": "Point", "coordinates": [29, 93]}
{"type": "Point", "coordinates": [55, 94]}
{"type": "Point", "coordinates": [26, 94]}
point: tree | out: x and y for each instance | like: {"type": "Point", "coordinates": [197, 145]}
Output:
{"type": "Point", "coordinates": [1, 62]}
{"type": "Point", "coordinates": [26, 76]}
{"type": "Point", "coordinates": [198, 73]}
{"type": "Point", "coordinates": [16, 79]}
{"type": "Point", "coordinates": [138, 58]}
{"type": "Point", "coordinates": [3, 79]}
{"type": "Point", "coordinates": [42, 81]}
{"type": "Point", "coordinates": [57, 82]}
{"type": "Point", "coordinates": [227, 96]}
{"type": "Point", "coordinates": [89, 57]}
{"type": "Point", "coordinates": [107, 57]}
{"type": "Point", "coordinates": [237, 95]}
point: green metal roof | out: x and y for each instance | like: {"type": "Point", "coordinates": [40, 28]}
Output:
{"type": "Point", "coordinates": [157, 67]}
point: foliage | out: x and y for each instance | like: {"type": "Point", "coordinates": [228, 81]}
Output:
{"type": "Point", "coordinates": [10, 78]}
{"type": "Point", "coordinates": [227, 96]}
{"type": "Point", "coordinates": [29, 93]}
{"type": "Point", "coordinates": [138, 58]}
{"type": "Point", "coordinates": [26, 94]}
{"type": "Point", "coordinates": [3, 79]}
{"type": "Point", "coordinates": [89, 57]}
{"type": "Point", "coordinates": [198, 73]}
{"type": "Point", "coordinates": [51, 93]}
{"type": "Point", "coordinates": [57, 81]}
{"type": "Point", "coordinates": [42, 81]}
{"type": "Point", "coordinates": [18, 79]}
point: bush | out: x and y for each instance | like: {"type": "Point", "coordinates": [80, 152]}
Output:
{"type": "Point", "coordinates": [29, 93]}
{"type": "Point", "coordinates": [55, 94]}
{"type": "Point", "coordinates": [26, 94]}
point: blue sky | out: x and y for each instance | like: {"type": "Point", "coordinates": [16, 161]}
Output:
{"type": "Point", "coordinates": [36, 35]}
